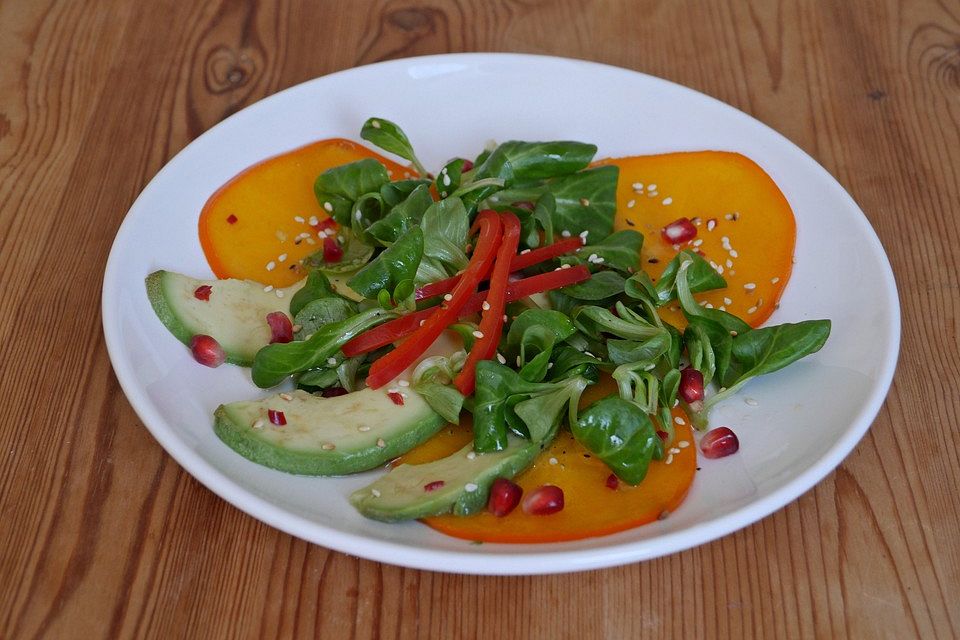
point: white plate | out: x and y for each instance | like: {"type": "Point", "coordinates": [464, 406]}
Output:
{"type": "Point", "coordinates": [809, 416]}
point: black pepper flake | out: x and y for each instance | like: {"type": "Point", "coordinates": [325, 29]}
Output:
{"type": "Point", "coordinates": [631, 223]}
{"type": "Point", "coordinates": [663, 515]}
{"type": "Point", "coordinates": [653, 260]}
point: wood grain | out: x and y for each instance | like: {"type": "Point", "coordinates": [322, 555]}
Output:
{"type": "Point", "coordinates": [103, 535]}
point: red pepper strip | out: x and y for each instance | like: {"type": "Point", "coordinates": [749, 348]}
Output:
{"type": "Point", "coordinates": [491, 321]}
{"type": "Point", "coordinates": [390, 332]}
{"type": "Point", "coordinates": [520, 261]}
{"type": "Point", "coordinates": [391, 365]}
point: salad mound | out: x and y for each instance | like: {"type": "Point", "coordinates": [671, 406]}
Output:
{"type": "Point", "coordinates": [511, 294]}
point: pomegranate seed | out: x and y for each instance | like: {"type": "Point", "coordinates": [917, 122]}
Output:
{"type": "Point", "coordinates": [691, 385]}
{"type": "Point", "coordinates": [680, 230]}
{"type": "Point", "coordinates": [663, 435]}
{"type": "Point", "coordinates": [719, 442]}
{"type": "Point", "coordinates": [543, 501]}
{"type": "Point", "coordinates": [276, 417]}
{"type": "Point", "coordinates": [207, 351]}
{"type": "Point", "coordinates": [281, 328]}
{"type": "Point", "coordinates": [433, 486]}
{"type": "Point", "coordinates": [202, 292]}
{"type": "Point", "coordinates": [333, 392]}
{"type": "Point", "coordinates": [326, 224]}
{"type": "Point", "coordinates": [504, 497]}
{"type": "Point", "coordinates": [613, 482]}
{"type": "Point", "coordinates": [467, 165]}
{"type": "Point", "coordinates": [395, 397]}
{"type": "Point", "coordinates": [231, 219]}
{"type": "Point", "coordinates": [332, 251]}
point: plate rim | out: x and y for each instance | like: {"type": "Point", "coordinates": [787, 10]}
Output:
{"type": "Point", "coordinates": [520, 562]}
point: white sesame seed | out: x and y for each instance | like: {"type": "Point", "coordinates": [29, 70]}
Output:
{"type": "Point", "coordinates": [298, 219]}
{"type": "Point", "coordinates": [271, 265]}
{"type": "Point", "coordinates": [584, 233]}
{"type": "Point", "coordinates": [549, 366]}
{"type": "Point", "coordinates": [328, 446]}
{"type": "Point", "coordinates": [375, 493]}
{"type": "Point", "coordinates": [728, 216]}
{"type": "Point", "coordinates": [525, 252]}
{"type": "Point", "coordinates": [652, 194]}
{"type": "Point", "coordinates": [591, 257]}
{"type": "Point", "coordinates": [751, 402]}
{"type": "Point", "coordinates": [478, 334]}
{"type": "Point", "coordinates": [683, 444]}
{"type": "Point", "coordinates": [587, 353]}
{"type": "Point", "coordinates": [471, 455]}
{"type": "Point", "coordinates": [679, 420]}
{"type": "Point", "coordinates": [470, 487]}
{"type": "Point", "coordinates": [363, 429]}
{"type": "Point", "coordinates": [565, 266]}
{"type": "Point", "coordinates": [727, 301]}
{"type": "Point", "coordinates": [554, 461]}
{"type": "Point", "coordinates": [501, 359]}
{"type": "Point", "coordinates": [667, 201]}
{"type": "Point", "coordinates": [268, 288]}
{"type": "Point", "coordinates": [381, 443]}
{"type": "Point", "coordinates": [485, 306]}
{"type": "Point", "coordinates": [311, 241]}
{"type": "Point", "coordinates": [257, 424]}
{"type": "Point", "coordinates": [448, 297]}
{"type": "Point", "coordinates": [722, 308]}
{"type": "Point", "coordinates": [403, 383]}
{"type": "Point", "coordinates": [328, 207]}
{"type": "Point", "coordinates": [286, 396]}
{"type": "Point", "coordinates": [279, 293]}
{"type": "Point", "coordinates": [669, 458]}
{"type": "Point", "coordinates": [674, 450]}
{"type": "Point", "coordinates": [698, 242]}
{"type": "Point", "coordinates": [729, 263]}
{"type": "Point", "coordinates": [331, 361]}
{"type": "Point", "coordinates": [282, 257]}
{"type": "Point", "coordinates": [358, 215]}
{"type": "Point", "coordinates": [446, 180]}
{"type": "Point", "coordinates": [676, 403]}
{"type": "Point", "coordinates": [774, 280]}
{"type": "Point", "coordinates": [423, 322]}
{"type": "Point", "coordinates": [638, 186]}
{"type": "Point", "coordinates": [519, 361]}
{"type": "Point", "coordinates": [631, 204]}
{"type": "Point", "coordinates": [708, 305]}
{"type": "Point", "coordinates": [375, 124]}
{"type": "Point", "coordinates": [565, 233]}
{"type": "Point", "coordinates": [752, 310]}
{"type": "Point", "coordinates": [750, 286]}
{"type": "Point", "coordinates": [504, 317]}
{"type": "Point", "coordinates": [711, 224]}
{"type": "Point", "coordinates": [734, 254]}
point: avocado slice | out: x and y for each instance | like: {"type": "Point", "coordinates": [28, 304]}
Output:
{"type": "Point", "coordinates": [235, 314]}
{"type": "Point", "coordinates": [327, 436]}
{"type": "Point", "coordinates": [401, 494]}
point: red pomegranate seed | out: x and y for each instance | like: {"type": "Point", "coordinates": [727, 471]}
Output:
{"type": "Point", "coordinates": [332, 251]}
{"type": "Point", "coordinates": [231, 219]}
{"type": "Point", "coordinates": [719, 442]}
{"type": "Point", "coordinates": [333, 392]}
{"type": "Point", "coordinates": [433, 486]}
{"type": "Point", "coordinates": [467, 165]}
{"type": "Point", "coordinates": [396, 397]}
{"type": "Point", "coordinates": [326, 224]}
{"type": "Point", "coordinates": [663, 435]}
{"type": "Point", "coordinates": [281, 328]}
{"type": "Point", "coordinates": [691, 385]}
{"type": "Point", "coordinates": [202, 292]}
{"type": "Point", "coordinates": [678, 231]}
{"type": "Point", "coordinates": [613, 482]}
{"type": "Point", "coordinates": [276, 417]}
{"type": "Point", "coordinates": [504, 497]}
{"type": "Point", "coordinates": [543, 501]}
{"type": "Point", "coordinates": [207, 351]}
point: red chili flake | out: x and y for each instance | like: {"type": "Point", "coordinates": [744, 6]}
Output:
{"type": "Point", "coordinates": [612, 481]}
{"type": "Point", "coordinates": [433, 486]}
{"type": "Point", "coordinates": [396, 397]}
{"type": "Point", "coordinates": [276, 417]}
{"type": "Point", "coordinates": [231, 219]}
{"type": "Point", "coordinates": [202, 292]}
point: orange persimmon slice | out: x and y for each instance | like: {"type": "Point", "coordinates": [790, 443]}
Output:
{"type": "Point", "coordinates": [252, 227]}
{"type": "Point", "coordinates": [744, 224]}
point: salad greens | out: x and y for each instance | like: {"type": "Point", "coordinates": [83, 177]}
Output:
{"type": "Point", "coordinates": [395, 236]}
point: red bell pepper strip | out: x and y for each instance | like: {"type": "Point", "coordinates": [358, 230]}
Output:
{"type": "Point", "coordinates": [491, 320]}
{"type": "Point", "coordinates": [520, 261]}
{"type": "Point", "coordinates": [390, 332]}
{"type": "Point", "coordinates": [391, 365]}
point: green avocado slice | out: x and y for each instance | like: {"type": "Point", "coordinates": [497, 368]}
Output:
{"type": "Point", "coordinates": [402, 493]}
{"type": "Point", "coordinates": [327, 436]}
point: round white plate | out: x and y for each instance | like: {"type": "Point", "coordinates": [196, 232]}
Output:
{"type": "Point", "coordinates": [809, 416]}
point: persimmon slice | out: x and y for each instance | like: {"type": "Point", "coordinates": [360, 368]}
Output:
{"type": "Point", "coordinates": [252, 227]}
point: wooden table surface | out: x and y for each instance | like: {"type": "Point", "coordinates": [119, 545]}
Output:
{"type": "Point", "coordinates": [103, 535]}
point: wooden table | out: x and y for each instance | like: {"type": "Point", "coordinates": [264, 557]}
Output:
{"type": "Point", "coordinates": [103, 535]}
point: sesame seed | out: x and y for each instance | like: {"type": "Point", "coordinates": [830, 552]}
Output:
{"type": "Point", "coordinates": [751, 402]}
{"type": "Point", "coordinates": [565, 266]}
{"type": "Point", "coordinates": [423, 322]}
{"type": "Point", "coordinates": [311, 241]}
{"type": "Point", "coordinates": [631, 204]}
{"type": "Point", "coordinates": [727, 301]}
{"type": "Point", "coordinates": [471, 455]}
{"type": "Point", "coordinates": [722, 307]}
{"type": "Point", "coordinates": [565, 233]}
{"type": "Point", "coordinates": [358, 215]}
{"type": "Point", "coordinates": [525, 252]}
{"type": "Point", "coordinates": [683, 444]}
{"type": "Point", "coordinates": [485, 306]}
{"type": "Point", "coordinates": [708, 305]}
{"type": "Point", "coordinates": [279, 293]}
{"type": "Point", "coordinates": [268, 288]}
{"type": "Point", "coordinates": [750, 286]}
{"type": "Point", "coordinates": [478, 334]}
{"type": "Point", "coordinates": [282, 257]}
{"type": "Point", "coordinates": [286, 396]}
{"type": "Point", "coordinates": [446, 180]}
{"type": "Point", "coordinates": [638, 186]}
{"type": "Point", "coordinates": [751, 310]}
{"type": "Point", "coordinates": [587, 353]}
{"type": "Point", "coordinates": [331, 361]}
{"type": "Point", "coordinates": [271, 265]}
{"type": "Point", "coordinates": [652, 194]}
{"type": "Point", "coordinates": [591, 257]}
{"type": "Point", "coordinates": [729, 263]}
{"type": "Point", "coordinates": [698, 242]}
{"type": "Point", "coordinates": [470, 487]}
{"type": "Point", "coordinates": [554, 461]}
{"type": "Point", "coordinates": [448, 297]}
{"type": "Point", "coordinates": [652, 187]}
{"type": "Point", "coordinates": [313, 221]}
{"type": "Point", "coordinates": [504, 317]}
{"type": "Point", "coordinates": [519, 361]}
{"type": "Point", "coordinates": [728, 217]}
{"type": "Point", "coordinates": [403, 383]}
{"type": "Point", "coordinates": [679, 420]}
{"type": "Point", "coordinates": [674, 450]}
{"type": "Point", "coordinates": [774, 280]}
{"type": "Point", "coordinates": [328, 446]}
{"type": "Point", "coordinates": [257, 424]}
{"type": "Point", "coordinates": [734, 254]}
{"type": "Point", "coordinates": [298, 219]}
{"type": "Point", "coordinates": [381, 443]}
{"type": "Point", "coordinates": [363, 429]}
{"type": "Point", "coordinates": [375, 124]}
{"type": "Point", "coordinates": [501, 359]}
{"type": "Point", "coordinates": [669, 458]}
{"type": "Point", "coordinates": [375, 493]}
{"type": "Point", "coordinates": [667, 201]}
{"type": "Point", "coordinates": [585, 202]}
{"type": "Point", "coordinates": [328, 207]}
{"type": "Point", "coordinates": [711, 224]}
